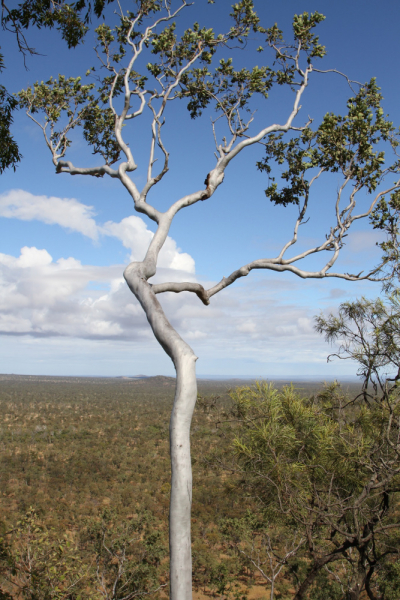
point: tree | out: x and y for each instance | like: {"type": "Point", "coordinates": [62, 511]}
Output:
{"type": "Point", "coordinates": [328, 470]}
{"type": "Point", "coordinates": [329, 465]}
{"type": "Point", "coordinates": [185, 68]}
{"type": "Point", "coordinates": [9, 153]}
{"type": "Point", "coordinates": [369, 333]}
{"type": "Point", "coordinates": [128, 555]}
{"type": "Point", "coordinates": [38, 564]}
{"type": "Point", "coordinates": [266, 549]}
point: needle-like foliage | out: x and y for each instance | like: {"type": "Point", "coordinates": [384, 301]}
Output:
{"type": "Point", "coordinates": [327, 468]}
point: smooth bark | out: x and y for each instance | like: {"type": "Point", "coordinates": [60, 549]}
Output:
{"type": "Point", "coordinates": [184, 361]}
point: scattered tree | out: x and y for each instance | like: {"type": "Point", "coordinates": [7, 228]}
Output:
{"type": "Point", "coordinates": [185, 68]}
{"type": "Point", "coordinates": [38, 564]}
{"type": "Point", "coordinates": [368, 332]}
{"type": "Point", "coordinates": [328, 468]}
{"type": "Point", "coordinates": [264, 548]}
{"type": "Point", "coordinates": [389, 581]}
{"type": "Point", "coordinates": [128, 555]}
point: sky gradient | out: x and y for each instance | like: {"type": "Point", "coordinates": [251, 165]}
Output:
{"type": "Point", "coordinates": [65, 241]}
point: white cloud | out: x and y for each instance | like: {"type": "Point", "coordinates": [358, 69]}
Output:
{"type": "Point", "coordinates": [135, 236]}
{"type": "Point", "coordinates": [173, 258]}
{"type": "Point", "coordinates": [260, 321]}
{"type": "Point", "coordinates": [248, 326]}
{"type": "Point", "coordinates": [67, 212]}
{"type": "Point", "coordinates": [252, 328]}
{"type": "Point", "coordinates": [32, 257]}
{"type": "Point", "coordinates": [41, 297]}
{"type": "Point", "coordinates": [75, 216]}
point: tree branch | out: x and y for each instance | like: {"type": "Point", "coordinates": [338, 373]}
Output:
{"type": "Point", "coordinates": [185, 286]}
{"type": "Point", "coordinates": [66, 166]}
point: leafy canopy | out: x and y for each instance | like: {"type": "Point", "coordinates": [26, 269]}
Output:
{"type": "Point", "coordinates": [347, 144]}
{"type": "Point", "coordinates": [71, 19]}
{"type": "Point", "coordinates": [9, 153]}
{"type": "Point", "coordinates": [171, 74]}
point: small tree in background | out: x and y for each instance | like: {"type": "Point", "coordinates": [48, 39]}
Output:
{"type": "Point", "coordinates": [127, 555]}
{"type": "Point", "coordinates": [37, 564]}
{"type": "Point", "coordinates": [266, 549]}
{"type": "Point", "coordinates": [368, 332]}
{"type": "Point", "coordinates": [186, 68]}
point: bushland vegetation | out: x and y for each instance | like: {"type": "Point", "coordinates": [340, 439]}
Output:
{"type": "Point", "coordinates": [72, 451]}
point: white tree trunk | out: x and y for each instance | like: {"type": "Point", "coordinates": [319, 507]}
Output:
{"type": "Point", "coordinates": [184, 360]}
{"type": "Point", "coordinates": [181, 479]}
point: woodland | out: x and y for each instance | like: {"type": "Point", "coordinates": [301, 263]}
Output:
{"type": "Point", "coordinates": [85, 483]}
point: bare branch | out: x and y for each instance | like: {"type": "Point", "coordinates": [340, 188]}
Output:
{"type": "Point", "coordinates": [349, 81]}
{"type": "Point", "coordinates": [301, 216]}
{"type": "Point", "coordinates": [183, 287]}
{"type": "Point", "coordinates": [66, 166]}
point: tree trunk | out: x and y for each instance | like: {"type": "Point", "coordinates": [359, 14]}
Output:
{"type": "Point", "coordinates": [184, 360]}
{"type": "Point", "coordinates": [181, 480]}
{"type": "Point", "coordinates": [311, 575]}
{"type": "Point", "coordinates": [355, 591]}
{"type": "Point", "coordinates": [272, 591]}
{"type": "Point", "coordinates": [368, 589]}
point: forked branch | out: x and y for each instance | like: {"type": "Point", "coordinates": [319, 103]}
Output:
{"type": "Point", "coordinates": [333, 243]}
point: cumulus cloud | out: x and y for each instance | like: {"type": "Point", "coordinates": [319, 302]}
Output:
{"type": "Point", "coordinates": [67, 212]}
{"type": "Point", "coordinates": [135, 236]}
{"type": "Point", "coordinates": [42, 297]}
{"type": "Point", "coordinates": [249, 329]}
{"type": "Point", "coordinates": [72, 215]}
{"type": "Point", "coordinates": [253, 322]}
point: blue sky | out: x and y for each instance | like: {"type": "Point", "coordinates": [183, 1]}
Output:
{"type": "Point", "coordinates": [65, 240]}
